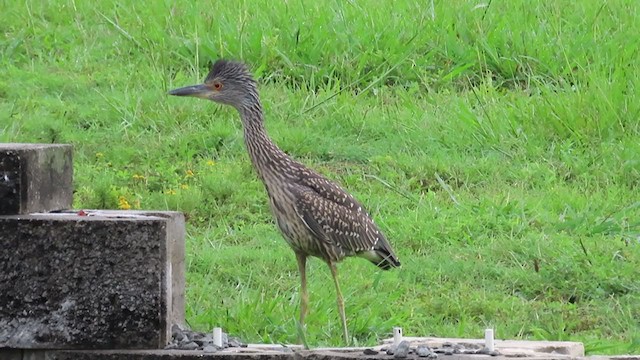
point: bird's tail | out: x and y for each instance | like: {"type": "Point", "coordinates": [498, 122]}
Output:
{"type": "Point", "coordinates": [382, 257]}
{"type": "Point", "coordinates": [387, 260]}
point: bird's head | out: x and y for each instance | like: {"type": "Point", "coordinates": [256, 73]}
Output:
{"type": "Point", "coordinates": [228, 83]}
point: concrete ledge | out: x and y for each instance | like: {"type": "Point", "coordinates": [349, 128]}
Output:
{"type": "Point", "coordinates": [35, 178]}
{"type": "Point", "coordinates": [90, 280]}
{"type": "Point", "coordinates": [334, 354]}
{"type": "Point", "coordinates": [136, 355]}
{"type": "Point", "coordinates": [513, 348]}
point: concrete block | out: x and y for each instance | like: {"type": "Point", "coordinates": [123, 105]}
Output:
{"type": "Point", "coordinates": [91, 280]}
{"type": "Point", "coordinates": [35, 178]}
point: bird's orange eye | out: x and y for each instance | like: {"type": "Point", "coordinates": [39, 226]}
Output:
{"type": "Point", "coordinates": [217, 86]}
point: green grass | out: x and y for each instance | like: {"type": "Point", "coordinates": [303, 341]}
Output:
{"type": "Point", "coordinates": [496, 144]}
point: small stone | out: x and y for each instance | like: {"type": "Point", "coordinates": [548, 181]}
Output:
{"type": "Point", "coordinates": [202, 343]}
{"type": "Point", "coordinates": [185, 340]}
{"type": "Point", "coordinates": [391, 350]}
{"type": "Point", "coordinates": [486, 351]}
{"type": "Point", "coordinates": [369, 352]}
{"type": "Point", "coordinates": [189, 346]}
{"type": "Point", "coordinates": [234, 342]}
{"type": "Point", "coordinates": [176, 332]}
{"type": "Point", "coordinates": [425, 351]}
{"type": "Point", "coordinates": [210, 349]}
{"type": "Point", "coordinates": [171, 346]}
{"type": "Point", "coordinates": [204, 340]}
{"type": "Point", "coordinates": [402, 351]}
{"type": "Point", "coordinates": [448, 351]}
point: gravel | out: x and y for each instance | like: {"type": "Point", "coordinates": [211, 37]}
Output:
{"type": "Point", "coordinates": [403, 350]}
{"type": "Point", "coordinates": [450, 349]}
{"type": "Point", "coordinates": [185, 339]}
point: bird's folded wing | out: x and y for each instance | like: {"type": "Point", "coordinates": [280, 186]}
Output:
{"type": "Point", "coordinates": [346, 229]}
{"type": "Point", "coordinates": [331, 191]}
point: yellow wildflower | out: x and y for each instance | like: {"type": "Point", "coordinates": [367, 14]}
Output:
{"type": "Point", "coordinates": [123, 204]}
{"type": "Point", "coordinates": [99, 155]}
{"type": "Point", "coordinates": [189, 173]}
{"type": "Point", "coordinates": [184, 186]}
{"type": "Point", "coordinates": [138, 177]}
{"type": "Point", "coordinates": [170, 192]}
{"type": "Point", "coordinates": [211, 162]}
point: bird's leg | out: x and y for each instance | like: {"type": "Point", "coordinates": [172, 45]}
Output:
{"type": "Point", "coordinates": [334, 274]}
{"type": "Point", "coordinates": [304, 297]}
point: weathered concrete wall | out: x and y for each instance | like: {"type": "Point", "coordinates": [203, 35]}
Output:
{"type": "Point", "coordinates": [35, 178]}
{"type": "Point", "coordinates": [107, 280]}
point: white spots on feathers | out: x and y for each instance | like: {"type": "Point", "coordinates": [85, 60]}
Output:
{"type": "Point", "coordinates": [329, 222]}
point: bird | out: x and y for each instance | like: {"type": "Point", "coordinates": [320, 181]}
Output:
{"type": "Point", "coordinates": [316, 216]}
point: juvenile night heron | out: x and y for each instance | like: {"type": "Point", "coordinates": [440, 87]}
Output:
{"type": "Point", "coordinates": [316, 216]}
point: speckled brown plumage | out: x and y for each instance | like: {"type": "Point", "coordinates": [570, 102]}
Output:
{"type": "Point", "coordinates": [316, 216]}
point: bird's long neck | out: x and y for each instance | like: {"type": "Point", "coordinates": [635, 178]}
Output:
{"type": "Point", "coordinates": [266, 156]}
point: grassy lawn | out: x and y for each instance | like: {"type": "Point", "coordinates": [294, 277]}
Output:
{"type": "Point", "coordinates": [496, 143]}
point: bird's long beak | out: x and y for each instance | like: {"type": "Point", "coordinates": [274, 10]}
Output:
{"type": "Point", "coordinates": [201, 91]}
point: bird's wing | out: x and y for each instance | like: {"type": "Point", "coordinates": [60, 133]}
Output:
{"type": "Point", "coordinates": [331, 191]}
{"type": "Point", "coordinates": [336, 218]}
